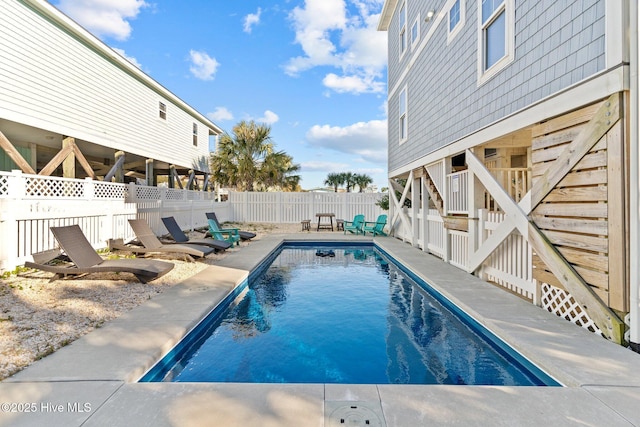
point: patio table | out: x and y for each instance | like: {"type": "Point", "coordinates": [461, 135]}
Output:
{"type": "Point", "coordinates": [324, 224]}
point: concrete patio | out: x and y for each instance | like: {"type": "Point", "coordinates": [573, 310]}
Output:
{"type": "Point", "coordinates": [92, 382]}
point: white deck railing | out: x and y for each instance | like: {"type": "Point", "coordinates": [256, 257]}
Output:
{"type": "Point", "coordinates": [509, 266]}
{"type": "Point", "coordinates": [457, 188]}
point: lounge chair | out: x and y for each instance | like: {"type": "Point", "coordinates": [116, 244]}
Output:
{"type": "Point", "coordinates": [179, 237]}
{"type": "Point", "coordinates": [151, 243]}
{"type": "Point", "coordinates": [228, 235]}
{"type": "Point", "coordinates": [354, 226]}
{"type": "Point", "coordinates": [87, 260]}
{"type": "Point", "coordinates": [244, 235]}
{"type": "Point", "coordinates": [375, 227]}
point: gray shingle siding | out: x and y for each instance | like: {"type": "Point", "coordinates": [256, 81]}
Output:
{"type": "Point", "coordinates": [557, 44]}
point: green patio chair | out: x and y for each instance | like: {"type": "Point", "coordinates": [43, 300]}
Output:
{"type": "Point", "coordinates": [229, 235]}
{"type": "Point", "coordinates": [375, 227]}
{"type": "Point", "coordinates": [354, 226]}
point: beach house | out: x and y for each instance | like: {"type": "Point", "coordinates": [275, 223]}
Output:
{"type": "Point", "coordinates": [513, 147]}
{"type": "Point", "coordinates": [71, 106]}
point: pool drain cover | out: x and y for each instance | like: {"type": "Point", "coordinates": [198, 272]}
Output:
{"type": "Point", "coordinates": [349, 414]}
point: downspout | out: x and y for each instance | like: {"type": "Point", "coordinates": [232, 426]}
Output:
{"type": "Point", "coordinates": [634, 178]}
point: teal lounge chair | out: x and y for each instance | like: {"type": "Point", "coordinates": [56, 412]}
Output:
{"type": "Point", "coordinates": [354, 226]}
{"type": "Point", "coordinates": [375, 227]}
{"type": "Point", "coordinates": [229, 235]}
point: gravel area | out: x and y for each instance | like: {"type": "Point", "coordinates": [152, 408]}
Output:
{"type": "Point", "coordinates": [38, 316]}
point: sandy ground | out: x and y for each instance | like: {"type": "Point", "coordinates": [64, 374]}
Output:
{"type": "Point", "coordinates": [38, 316]}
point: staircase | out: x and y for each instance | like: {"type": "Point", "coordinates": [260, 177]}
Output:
{"type": "Point", "coordinates": [460, 223]}
{"type": "Point", "coordinates": [436, 198]}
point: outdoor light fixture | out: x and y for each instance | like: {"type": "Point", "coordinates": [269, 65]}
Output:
{"type": "Point", "coordinates": [429, 16]}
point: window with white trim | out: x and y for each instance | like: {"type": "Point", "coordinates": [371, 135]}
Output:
{"type": "Point", "coordinates": [402, 17]}
{"type": "Point", "coordinates": [495, 36]}
{"type": "Point", "coordinates": [402, 113]}
{"type": "Point", "coordinates": [455, 18]}
{"type": "Point", "coordinates": [415, 32]}
{"type": "Point", "coordinates": [454, 15]}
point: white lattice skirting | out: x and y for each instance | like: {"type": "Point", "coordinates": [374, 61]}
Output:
{"type": "Point", "coordinates": [562, 304]}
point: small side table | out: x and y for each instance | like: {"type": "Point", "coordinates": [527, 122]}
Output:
{"type": "Point", "coordinates": [323, 225]}
{"type": "Point", "coordinates": [306, 225]}
{"type": "Point", "coordinates": [340, 224]}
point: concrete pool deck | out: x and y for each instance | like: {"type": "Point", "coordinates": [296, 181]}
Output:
{"type": "Point", "coordinates": [91, 382]}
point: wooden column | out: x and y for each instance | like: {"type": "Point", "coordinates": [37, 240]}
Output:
{"type": "Point", "coordinates": [119, 173]}
{"type": "Point", "coordinates": [149, 172]}
{"type": "Point", "coordinates": [69, 162]}
{"type": "Point", "coordinates": [172, 176]}
{"type": "Point", "coordinates": [617, 221]}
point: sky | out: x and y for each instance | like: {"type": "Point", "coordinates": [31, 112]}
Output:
{"type": "Point", "coordinates": [313, 70]}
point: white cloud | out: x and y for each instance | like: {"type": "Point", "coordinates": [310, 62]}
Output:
{"type": "Point", "coordinates": [131, 59]}
{"type": "Point", "coordinates": [269, 117]}
{"type": "Point", "coordinates": [104, 18]}
{"type": "Point", "coordinates": [330, 34]}
{"type": "Point", "coordinates": [313, 166]}
{"type": "Point", "coordinates": [365, 139]}
{"type": "Point", "coordinates": [353, 84]}
{"type": "Point", "coordinates": [203, 66]}
{"type": "Point", "coordinates": [251, 19]}
{"type": "Point", "coordinates": [220, 114]}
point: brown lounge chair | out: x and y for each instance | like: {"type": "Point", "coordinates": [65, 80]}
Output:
{"type": "Point", "coordinates": [76, 246]}
{"type": "Point", "coordinates": [179, 237]}
{"type": "Point", "coordinates": [151, 243]}
{"type": "Point", "coordinates": [244, 235]}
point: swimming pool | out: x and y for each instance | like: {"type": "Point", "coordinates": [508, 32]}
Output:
{"type": "Point", "coordinates": [341, 314]}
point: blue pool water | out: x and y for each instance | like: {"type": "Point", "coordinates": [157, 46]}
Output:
{"type": "Point", "coordinates": [352, 316]}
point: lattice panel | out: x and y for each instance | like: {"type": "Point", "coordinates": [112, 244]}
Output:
{"type": "Point", "coordinates": [562, 304]}
{"type": "Point", "coordinates": [147, 193]}
{"type": "Point", "coordinates": [108, 190]}
{"type": "Point", "coordinates": [173, 194]}
{"type": "Point", "coordinates": [51, 187]}
{"type": "Point", "coordinates": [4, 185]}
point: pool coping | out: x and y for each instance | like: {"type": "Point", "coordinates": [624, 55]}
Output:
{"type": "Point", "coordinates": [100, 369]}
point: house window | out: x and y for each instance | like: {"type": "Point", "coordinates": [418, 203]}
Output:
{"type": "Point", "coordinates": [403, 29]}
{"type": "Point", "coordinates": [403, 115]}
{"type": "Point", "coordinates": [162, 111]}
{"type": "Point", "coordinates": [454, 15]}
{"type": "Point", "coordinates": [495, 36]}
{"type": "Point", "coordinates": [456, 18]}
{"type": "Point", "coordinates": [415, 32]}
{"type": "Point", "coordinates": [195, 134]}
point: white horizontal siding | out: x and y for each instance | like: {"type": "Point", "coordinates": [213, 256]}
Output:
{"type": "Point", "coordinates": [50, 80]}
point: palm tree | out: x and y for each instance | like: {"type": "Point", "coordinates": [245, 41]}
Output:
{"type": "Point", "coordinates": [278, 172]}
{"type": "Point", "coordinates": [362, 181]}
{"type": "Point", "coordinates": [247, 161]}
{"type": "Point", "coordinates": [335, 180]}
{"type": "Point", "coordinates": [349, 180]}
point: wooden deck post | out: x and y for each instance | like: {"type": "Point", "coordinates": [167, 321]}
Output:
{"type": "Point", "coordinates": [69, 162]}
{"type": "Point", "coordinates": [119, 172]}
{"type": "Point", "coordinates": [149, 173]}
{"type": "Point", "coordinates": [171, 178]}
